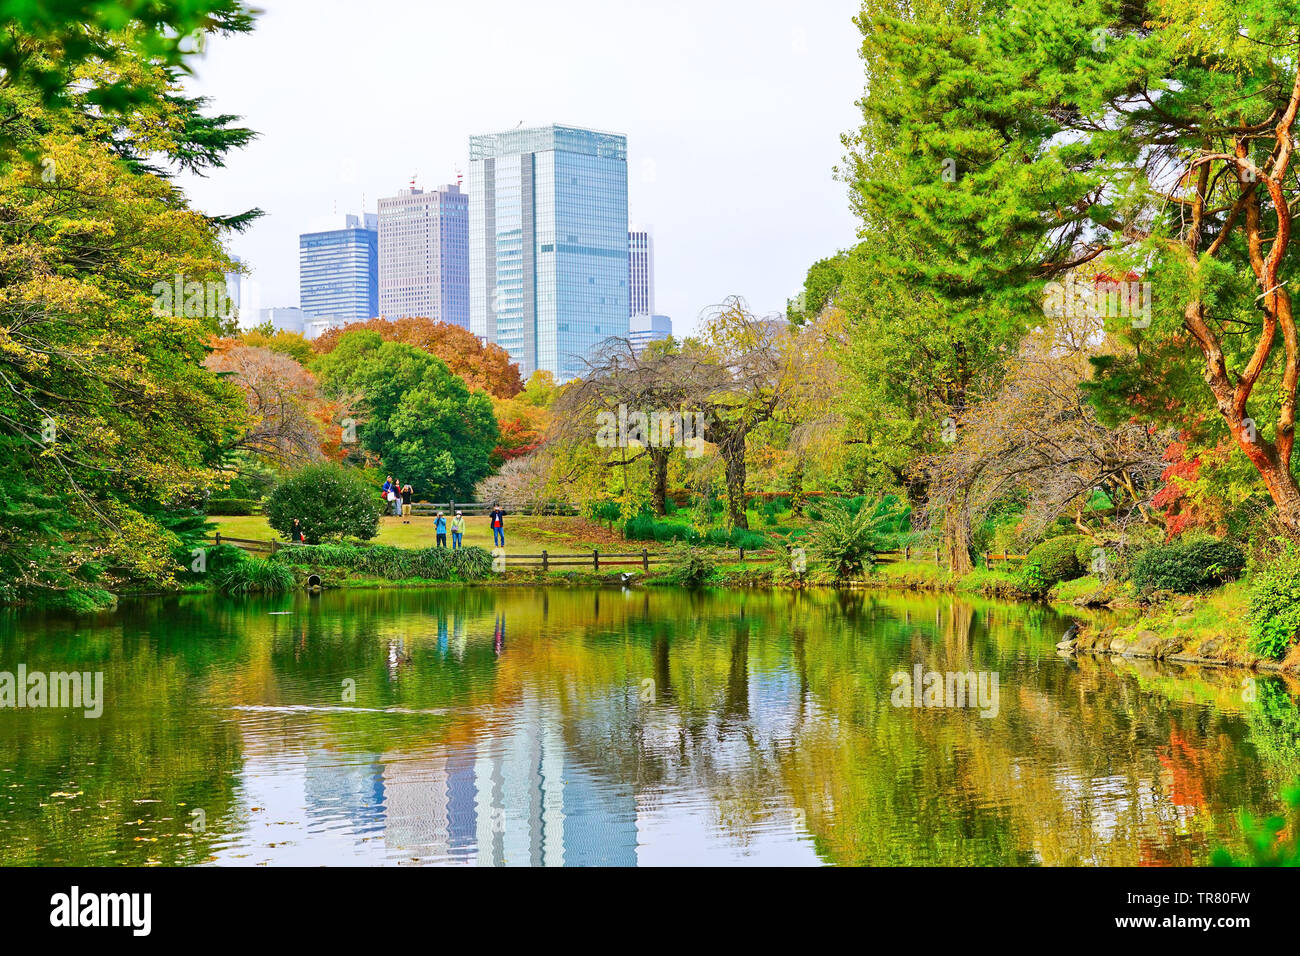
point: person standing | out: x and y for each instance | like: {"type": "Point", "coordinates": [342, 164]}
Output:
{"type": "Point", "coordinates": [440, 526]}
{"type": "Point", "coordinates": [407, 494]}
{"type": "Point", "coordinates": [457, 531]}
{"type": "Point", "coordinates": [498, 522]}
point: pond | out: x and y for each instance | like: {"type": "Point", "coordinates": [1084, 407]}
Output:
{"type": "Point", "coordinates": [500, 726]}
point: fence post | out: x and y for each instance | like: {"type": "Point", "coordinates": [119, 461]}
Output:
{"type": "Point", "coordinates": [645, 559]}
{"type": "Point", "coordinates": [742, 555]}
{"type": "Point", "coordinates": [907, 552]}
{"type": "Point", "coordinates": [544, 559]}
{"type": "Point", "coordinates": [595, 559]}
{"type": "Point", "coordinates": [275, 546]}
{"type": "Point", "coordinates": [988, 560]}
{"type": "Point", "coordinates": [218, 539]}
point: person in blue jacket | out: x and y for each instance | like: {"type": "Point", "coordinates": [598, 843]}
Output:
{"type": "Point", "coordinates": [440, 526]}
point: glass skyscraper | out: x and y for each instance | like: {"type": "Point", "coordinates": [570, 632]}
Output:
{"type": "Point", "coordinates": [338, 271]}
{"type": "Point", "coordinates": [548, 244]}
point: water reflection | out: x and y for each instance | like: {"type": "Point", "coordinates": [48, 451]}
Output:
{"type": "Point", "coordinates": [618, 728]}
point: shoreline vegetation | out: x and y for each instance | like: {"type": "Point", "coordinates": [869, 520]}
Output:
{"type": "Point", "coordinates": [1209, 628]}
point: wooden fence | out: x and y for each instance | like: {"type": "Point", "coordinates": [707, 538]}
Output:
{"type": "Point", "coordinates": [643, 558]}
{"type": "Point", "coordinates": [248, 544]}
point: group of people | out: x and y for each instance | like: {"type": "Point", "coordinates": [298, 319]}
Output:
{"type": "Point", "coordinates": [399, 497]}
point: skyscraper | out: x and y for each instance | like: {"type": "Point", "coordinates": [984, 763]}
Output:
{"type": "Point", "coordinates": [338, 271]}
{"type": "Point", "coordinates": [424, 255]}
{"type": "Point", "coordinates": [548, 244]}
{"type": "Point", "coordinates": [641, 272]}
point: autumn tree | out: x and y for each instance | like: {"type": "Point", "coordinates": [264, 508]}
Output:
{"type": "Point", "coordinates": [109, 422]}
{"type": "Point", "coordinates": [1037, 437]}
{"type": "Point", "coordinates": [482, 366]}
{"type": "Point", "coordinates": [282, 397]}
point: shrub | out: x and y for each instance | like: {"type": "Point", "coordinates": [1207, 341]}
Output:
{"type": "Point", "coordinates": [215, 559]}
{"type": "Point", "coordinates": [330, 500]}
{"type": "Point", "coordinates": [248, 575]}
{"type": "Point", "coordinates": [849, 540]}
{"type": "Point", "coordinates": [1187, 566]}
{"type": "Point", "coordinates": [1057, 558]}
{"type": "Point", "coordinates": [231, 506]}
{"type": "Point", "coordinates": [645, 527]}
{"type": "Point", "coordinates": [1032, 581]}
{"type": "Point", "coordinates": [690, 567]}
{"type": "Point", "coordinates": [1274, 608]}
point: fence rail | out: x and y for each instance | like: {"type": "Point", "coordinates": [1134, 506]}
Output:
{"type": "Point", "coordinates": [484, 507]}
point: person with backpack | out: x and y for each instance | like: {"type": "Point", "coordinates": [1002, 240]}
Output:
{"type": "Point", "coordinates": [457, 531]}
{"type": "Point", "coordinates": [440, 526]}
{"type": "Point", "coordinates": [498, 522]}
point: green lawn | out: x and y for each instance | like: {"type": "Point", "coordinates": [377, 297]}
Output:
{"type": "Point", "coordinates": [418, 534]}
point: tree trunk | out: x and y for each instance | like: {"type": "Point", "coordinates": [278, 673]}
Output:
{"type": "Point", "coordinates": [736, 489]}
{"type": "Point", "coordinates": [731, 445]}
{"type": "Point", "coordinates": [1271, 460]}
{"type": "Point", "coordinates": [1279, 481]}
{"type": "Point", "coordinates": [659, 480]}
{"type": "Point", "coordinates": [796, 488]}
{"type": "Point", "coordinates": [956, 539]}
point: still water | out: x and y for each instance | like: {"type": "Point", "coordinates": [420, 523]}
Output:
{"type": "Point", "coordinates": [581, 727]}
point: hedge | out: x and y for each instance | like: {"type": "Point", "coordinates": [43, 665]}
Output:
{"type": "Point", "coordinates": [1187, 566]}
{"type": "Point", "coordinates": [1057, 559]}
{"type": "Point", "coordinates": [232, 506]}
{"type": "Point", "coordinates": [434, 564]}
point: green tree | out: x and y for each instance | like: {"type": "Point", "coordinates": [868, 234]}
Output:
{"type": "Point", "coordinates": [1095, 143]}
{"type": "Point", "coordinates": [109, 423]}
{"type": "Point", "coordinates": [423, 422]}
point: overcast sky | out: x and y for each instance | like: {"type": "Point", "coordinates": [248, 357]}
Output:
{"type": "Point", "coordinates": [733, 111]}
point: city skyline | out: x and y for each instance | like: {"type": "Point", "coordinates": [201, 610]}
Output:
{"type": "Point", "coordinates": [736, 208]}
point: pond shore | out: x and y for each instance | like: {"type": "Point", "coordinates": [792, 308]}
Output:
{"type": "Point", "coordinates": [1208, 629]}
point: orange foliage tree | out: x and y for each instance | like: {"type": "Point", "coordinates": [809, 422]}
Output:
{"type": "Point", "coordinates": [487, 367]}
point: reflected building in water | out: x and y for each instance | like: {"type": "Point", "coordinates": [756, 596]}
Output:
{"type": "Point", "coordinates": [525, 799]}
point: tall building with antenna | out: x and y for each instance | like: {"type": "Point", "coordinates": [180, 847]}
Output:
{"type": "Point", "coordinates": [424, 255]}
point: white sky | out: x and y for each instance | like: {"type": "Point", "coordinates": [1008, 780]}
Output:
{"type": "Point", "coordinates": [733, 111]}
